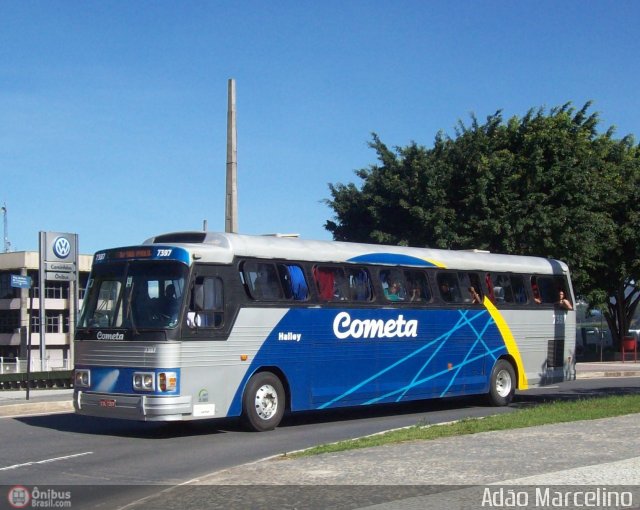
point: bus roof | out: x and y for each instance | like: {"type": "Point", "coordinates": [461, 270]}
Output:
{"type": "Point", "coordinates": [216, 247]}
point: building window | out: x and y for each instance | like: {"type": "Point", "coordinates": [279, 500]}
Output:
{"type": "Point", "coordinates": [6, 290]}
{"type": "Point", "coordinates": [56, 290]}
{"type": "Point", "coordinates": [35, 321]}
{"type": "Point", "coordinates": [9, 321]}
{"type": "Point", "coordinates": [53, 323]}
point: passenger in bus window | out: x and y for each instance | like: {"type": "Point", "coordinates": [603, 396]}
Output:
{"type": "Point", "coordinates": [445, 292]}
{"type": "Point", "coordinates": [475, 297]}
{"type": "Point", "coordinates": [415, 293]}
{"type": "Point", "coordinates": [536, 292]}
{"type": "Point", "coordinates": [474, 283]}
{"type": "Point", "coordinates": [563, 302]}
{"type": "Point", "coordinates": [393, 292]}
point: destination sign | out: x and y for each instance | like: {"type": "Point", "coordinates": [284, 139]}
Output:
{"type": "Point", "coordinates": [143, 253]}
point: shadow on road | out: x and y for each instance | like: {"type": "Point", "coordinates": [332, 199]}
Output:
{"type": "Point", "coordinates": [70, 422]}
{"type": "Point", "coordinates": [162, 430]}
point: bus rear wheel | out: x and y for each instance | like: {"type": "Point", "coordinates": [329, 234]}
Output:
{"type": "Point", "coordinates": [263, 402]}
{"type": "Point", "coordinates": [502, 383]}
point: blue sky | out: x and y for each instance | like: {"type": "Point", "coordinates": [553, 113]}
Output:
{"type": "Point", "coordinates": [113, 113]}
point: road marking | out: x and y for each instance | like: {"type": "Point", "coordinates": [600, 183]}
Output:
{"type": "Point", "coordinates": [151, 497]}
{"type": "Point", "coordinates": [45, 461]}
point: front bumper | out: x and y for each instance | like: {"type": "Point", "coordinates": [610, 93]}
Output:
{"type": "Point", "coordinates": [133, 407]}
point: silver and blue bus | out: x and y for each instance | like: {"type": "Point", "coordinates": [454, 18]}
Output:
{"type": "Point", "coordinates": [197, 325]}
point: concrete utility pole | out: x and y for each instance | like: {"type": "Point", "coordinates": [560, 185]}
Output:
{"type": "Point", "coordinates": [231, 202]}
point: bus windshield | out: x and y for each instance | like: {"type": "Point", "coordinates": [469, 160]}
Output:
{"type": "Point", "coordinates": [134, 295]}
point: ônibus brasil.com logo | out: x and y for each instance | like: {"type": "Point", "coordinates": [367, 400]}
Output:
{"type": "Point", "coordinates": [22, 497]}
{"type": "Point", "coordinates": [19, 496]}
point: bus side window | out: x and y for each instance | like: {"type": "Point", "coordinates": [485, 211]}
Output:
{"type": "Point", "coordinates": [293, 282]}
{"type": "Point", "coordinates": [262, 281]}
{"type": "Point", "coordinates": [206, 308]}
{"type": "Point", "coordinates": [502, 288]}
{"type": "Point", "coordinates": [417, 286]}
{"type": "Point", "coordinates": [535, 290]}
{"type": "Point", "coordinates": [330, 282]}
{"type": "Point", "coordinates": [520, 295]}
{"type": "Point", "coordinates": [470, 287]}
{"type": "Point", "coordinates": [393, 285]}
{"type": "Point", "coordinates": [360, 288]}
{"type": "Point", "coordinates": [449, 287]}
{"type": "Point", "coordinates": [546, 288]}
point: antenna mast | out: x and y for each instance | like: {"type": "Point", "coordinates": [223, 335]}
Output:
{"type": "Point", "coordinates": [7, 244]}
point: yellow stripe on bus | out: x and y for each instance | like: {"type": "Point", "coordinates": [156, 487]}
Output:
{"type": "Point", "coordinates": [436, 263]}
{"type": "Point", "coordinates": [509, 341]}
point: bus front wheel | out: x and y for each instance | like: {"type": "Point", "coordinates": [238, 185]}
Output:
{"type": "Point", "coordinates": [263, 402]}
{"type": "Point", "coordinates": [502, 383]}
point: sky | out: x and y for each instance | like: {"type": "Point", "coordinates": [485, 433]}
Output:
{"type": "Point", "coordinates": [113, 113]}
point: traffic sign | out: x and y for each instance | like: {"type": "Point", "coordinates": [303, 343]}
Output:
{"type": "Point", "coordinates": [20, 282]}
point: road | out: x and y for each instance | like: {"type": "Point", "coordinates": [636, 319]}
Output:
{"type": "Point", "coordinates": [125, 460]}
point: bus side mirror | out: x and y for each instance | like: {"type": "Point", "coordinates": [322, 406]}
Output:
{"type": "Point", "coordinates": [193, 320]}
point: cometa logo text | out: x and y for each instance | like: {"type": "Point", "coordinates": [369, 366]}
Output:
{"type": "Point", "coordinates": [109, 336]}
{"type": "Point", "coordinates": [345, 327]}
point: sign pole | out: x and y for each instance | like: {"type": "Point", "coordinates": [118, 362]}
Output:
{"type": "Point", "coordinates": [29, 342]}
{"type": "Point", "coordinates": [43, 313]}
{"type": "Point", "coordinates": [24, 282]}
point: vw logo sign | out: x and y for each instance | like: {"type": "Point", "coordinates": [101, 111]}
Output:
{"type": "Point", "coordinates": [61, 247]}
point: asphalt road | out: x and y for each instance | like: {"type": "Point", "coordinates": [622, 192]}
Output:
{"type": "Point", "coordinates": [124, 461]}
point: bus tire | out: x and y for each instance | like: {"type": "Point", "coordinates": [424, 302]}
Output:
{"type": "Point", "coordinates": [263, 402]}
{"type": "Point", "coordinates": [502, 383]}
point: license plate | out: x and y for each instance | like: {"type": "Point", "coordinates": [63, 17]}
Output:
{"type": "Point", "coordinates": [107, 402]}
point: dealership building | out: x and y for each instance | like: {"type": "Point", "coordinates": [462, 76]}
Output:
{"type": "Point", "coordinates": [20, 309]}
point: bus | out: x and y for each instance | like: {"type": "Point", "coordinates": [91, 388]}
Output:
{"type": "Point", "coordinates": [197, 325]}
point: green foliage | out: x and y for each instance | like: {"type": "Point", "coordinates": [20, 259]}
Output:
{"type": "Point", "coordinates": [547, 184]}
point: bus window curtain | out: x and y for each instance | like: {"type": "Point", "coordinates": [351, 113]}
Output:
{"type": "Point", "coordinates": [324, 280]}
{"type": "Point", "coordinates": [299, 288]}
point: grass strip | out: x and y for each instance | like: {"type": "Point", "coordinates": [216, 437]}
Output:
{"type": "Point", "coordinates": [543, 414]}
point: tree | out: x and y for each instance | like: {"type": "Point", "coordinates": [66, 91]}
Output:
{"type": "Point", "coordinates": [547, 184]}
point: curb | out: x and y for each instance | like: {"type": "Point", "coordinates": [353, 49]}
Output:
{"type": "Point", "coordinates": [31, 408]}
{"type": "Point", "coordinates": [604, 375]}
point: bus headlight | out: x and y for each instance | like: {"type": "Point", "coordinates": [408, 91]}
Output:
{"type": "Point", "coordinates": [167, 381]}
{"type": "Point", "coordinates": [144, 381]}
{"type": "Point", "coordinates": [82, 378]}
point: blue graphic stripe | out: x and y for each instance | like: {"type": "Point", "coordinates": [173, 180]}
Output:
{"type": "Point", "coordinates": [391, 259]}
{"type": "Point", "coordinates": [464, 362]}
{"type": "Point", "coordinates": [460, 322]}
{"type": "Point", "coordinates": [431, 377]}
{"type": "Point", "coordinates": [442, 338]}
